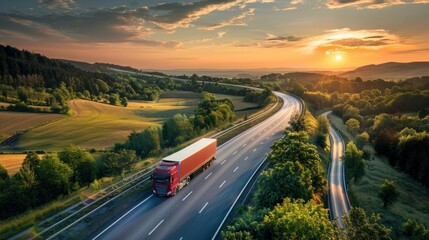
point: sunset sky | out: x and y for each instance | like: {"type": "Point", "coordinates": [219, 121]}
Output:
{"type": "Point", "coordinates": [221, 34]}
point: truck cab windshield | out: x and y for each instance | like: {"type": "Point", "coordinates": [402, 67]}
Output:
{"type": "Point", "coordinates": [161, 178]}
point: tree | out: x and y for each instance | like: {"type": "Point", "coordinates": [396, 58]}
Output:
{"type": "Point", "coordinates": [115, 164]}
{"type": "Point", "coordinates": [414, 230]}
{"type": "Point", "coordinates": [412, 154]}
{"type": "Point", "coordinates": [53, 177]}
{"type": "Point", "coordinates": [407, 132]}
{"type": "Point", "coordinates": [297, 123]}
{"type": "Point", "coordinates": [353, 162]}
{"type": "Point", "coordinates": [81, 163]}
{"type": "Point", "coordinates": [283, 180]}
{"type": "Point", "coordinates": [294, 146]}
{"type": "Point", "coordinates": [3, 173]}
{"type": "Point", "coordinates": [22, 94]}
{"type": "Point", "coordinates": [295, 219]}
{"type": "Point", "coordinates": [32, 160]}
{"type": "Point", "coordinates": [233, 234]}
{"type": "Point", "coordinates": [323, 125]}
{"type": "Point", "coordinates": [146, 142]}
{"type": "Point", "coordinates": [362, 139]}
{"type": "Point", "coordinates": [388, 193]}
{"type": "Point", "coordinates": [353, 125]}
{"type": "Point", "coordinates": [359, 227]}
{"type": "Point", "coordinates": [177, 130]}
{"type": "Point", "coordinates": [124, 101]}
{"type": "Point", "coordinates": [291, 219]}
{"type": "Point", "coordinates": [114, 99]}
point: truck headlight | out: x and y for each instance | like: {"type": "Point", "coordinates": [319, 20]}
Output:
{"type": "Point", "coordinates": [153, 191]}
{"type": "Point", "coordinates": [169, 192]}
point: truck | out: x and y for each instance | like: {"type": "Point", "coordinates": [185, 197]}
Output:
{"type": "Point", "coordinates": [175, 171]}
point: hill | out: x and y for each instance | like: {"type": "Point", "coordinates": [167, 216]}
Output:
{"type": "Point", "coordinates": [389, 71]}
{"type": "Point", "coordinates": [98, 67]}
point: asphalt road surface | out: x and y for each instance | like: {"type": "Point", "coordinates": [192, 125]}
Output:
{"type": "Point", "coordinates": [198, 209]}
{"type": "Point", "coordinates": [338, 199]}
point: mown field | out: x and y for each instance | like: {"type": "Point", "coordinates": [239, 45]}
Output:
{"type": "Point", "coordinates": [413, 201]}
{"type": "Point", "coordinates": [99, 126]}
{"type": "Point", "coordinates": [12, 162]}
{"type": "Point", "coordinates": [12, 122]}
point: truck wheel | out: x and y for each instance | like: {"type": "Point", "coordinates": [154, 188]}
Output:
{"type": "Point", "coordinates": [175, 190]}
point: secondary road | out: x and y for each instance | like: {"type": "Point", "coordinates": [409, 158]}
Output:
{"type": "Point", "coordinates": [197, 210]}
{"type": "Point", "coordinates": [338, 200]}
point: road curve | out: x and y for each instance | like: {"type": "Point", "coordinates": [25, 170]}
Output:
{"type": "Point", "coordinates": [338, 200]}
{"type": "Point", "coordinates": [198, 209]}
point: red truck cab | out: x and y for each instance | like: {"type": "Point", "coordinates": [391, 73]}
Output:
{"type": "Point", "coordinates": [165, 179]}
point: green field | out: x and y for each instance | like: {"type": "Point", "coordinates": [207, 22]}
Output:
{"type": "Point", "coordinates": [99, 126]}
{"type": "Point", "coordinates": [413, 200]}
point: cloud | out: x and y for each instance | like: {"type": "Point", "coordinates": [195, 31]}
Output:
{"type": "Point", "coordinates": [275, 38]}
{"type": "Point", "coordinates": [221, 34]}
{"type": "Point", "coordinates": [344, 40]}
{"type": "Point", "coordinates": [296, 2]}
{"type": "Point", "coordinates": [114, 25]}
{"type": "Point", "coordinates": [370, 4]}
{"type": "Point", "coordinates": [285, 8]}
{"type": "Point", "coordinates": [57, 4]}
{"type": "Point", "coordinates": [235, 21]}
{"type": "Point", "coordinates": [170, 16]}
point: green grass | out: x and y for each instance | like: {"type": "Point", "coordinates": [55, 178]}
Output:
{"type": "Point", "coordinates": [99, 126]}
{"type": "Point", "coordinates": [413, 201]}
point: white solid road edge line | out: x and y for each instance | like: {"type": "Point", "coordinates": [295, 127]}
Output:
{"type": "Point", "coordinates": [119, 219]}
{"type": "Point", "coordinates": [156, 227]}
{"type": "Point", "coordinates": [202, 209]}
{"type": "Point", "coordinates": [236, 200]}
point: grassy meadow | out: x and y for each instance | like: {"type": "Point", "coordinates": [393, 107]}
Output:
{"type": "Point", "coordinates": [99, 126]}
{"type": "Point", "coordinates": [413, 201]}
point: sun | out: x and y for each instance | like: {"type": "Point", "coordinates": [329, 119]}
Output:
{"type": "Point", "coordinates": [338, 57]}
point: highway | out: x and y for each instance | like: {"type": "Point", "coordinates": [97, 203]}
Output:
{"type": "Point", "coordinates": [338, 200]}
{"type": "Point", "coordinates": [197, 211]}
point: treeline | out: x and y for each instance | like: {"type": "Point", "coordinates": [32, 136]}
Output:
{"type": "Point", "coordinates": [32, 79]}
{"type": "Point", "coordinates": [332, 83]}
{"type": "Point", "coordinates": [204, 78]}
{"type": "Point", "coordinates": [210, 113]}
{"type": "Point", "coordinates": [287, 201]}
{"type": "Point", "coordinates": [40, 181]}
